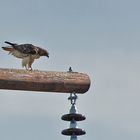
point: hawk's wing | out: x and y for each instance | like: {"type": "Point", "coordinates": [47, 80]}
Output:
{"type": "Point", "coordinates": [24, 48]}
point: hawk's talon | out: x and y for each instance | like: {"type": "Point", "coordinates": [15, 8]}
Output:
{"type": "Point", "coordinates": [30, 69]}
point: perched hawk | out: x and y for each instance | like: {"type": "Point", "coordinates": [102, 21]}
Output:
{"type": "Point", "coordinates": [27, 52]}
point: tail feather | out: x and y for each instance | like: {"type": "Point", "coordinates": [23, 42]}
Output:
{"type": "Point", "coordinates": [12, 44]}
{"type": "Point", "coordinates": [7, 49]}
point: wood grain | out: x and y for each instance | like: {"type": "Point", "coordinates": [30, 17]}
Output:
{"type": "Point", "coordinates": [44, 81]}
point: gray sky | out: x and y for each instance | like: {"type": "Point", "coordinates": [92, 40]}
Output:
{"type": "Point", "coordinates": [97, 37]}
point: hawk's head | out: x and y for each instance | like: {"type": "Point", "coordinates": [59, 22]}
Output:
{"type": "Point", "coordinates": [43, 52]}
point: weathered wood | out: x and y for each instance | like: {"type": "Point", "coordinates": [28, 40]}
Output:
{"type": "Point", "coordinates": [45, 81]}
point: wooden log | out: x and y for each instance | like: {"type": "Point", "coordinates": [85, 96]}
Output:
{"type": "Point", "coordinates": [44, 81]}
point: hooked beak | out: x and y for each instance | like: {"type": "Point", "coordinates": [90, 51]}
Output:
{"type": "Point", "coordinates": [47, 56]}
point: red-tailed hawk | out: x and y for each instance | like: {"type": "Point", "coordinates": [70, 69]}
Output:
{"type": "Point", "coordinates": [27, 52]}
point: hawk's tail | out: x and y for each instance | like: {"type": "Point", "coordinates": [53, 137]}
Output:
{"type": "Point", "coordinates": [8, 49]}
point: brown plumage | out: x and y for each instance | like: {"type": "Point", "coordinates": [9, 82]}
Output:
{"type": "Point", "coordinates": [27, 52]}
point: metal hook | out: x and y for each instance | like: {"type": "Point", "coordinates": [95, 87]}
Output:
{"type": "Point", "coordinates": [73, 97]}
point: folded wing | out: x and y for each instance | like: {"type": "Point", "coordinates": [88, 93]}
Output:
{"type": "Point", "coordinates": [23, 48]}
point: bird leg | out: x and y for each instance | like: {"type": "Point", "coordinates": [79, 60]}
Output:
{"type": "Point", "coordinates": [30, 64]}
{"type": "Point", "coordinates": [26, 67]}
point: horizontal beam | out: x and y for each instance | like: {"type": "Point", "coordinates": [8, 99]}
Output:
{"type": "Point", "coordinates": [44, 81]}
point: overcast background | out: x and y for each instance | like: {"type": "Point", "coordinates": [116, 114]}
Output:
{"type": "Point", "coordinates": [97, 37]}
